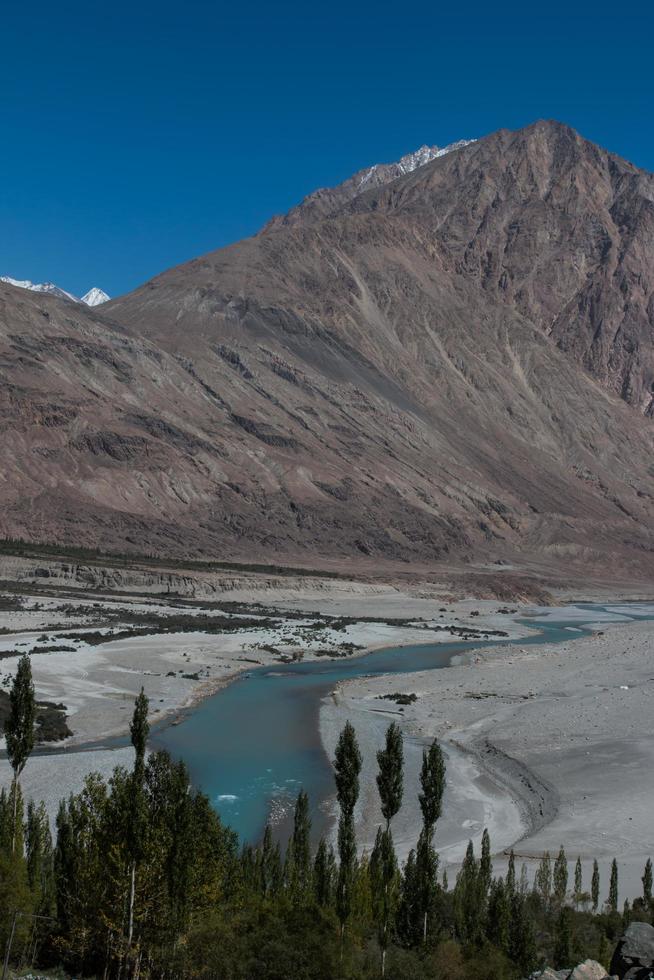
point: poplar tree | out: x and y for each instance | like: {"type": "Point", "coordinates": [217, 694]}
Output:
{"type": "Point", "coordinates": [432, 784]}
{"type": "Point", "coordinates": [499, 914]}
{"type": "Point", "coordinates": [136, 829]}
{"type": "Point", "coordinates": [613, 887]}
{"type": "Point", "coordinates": [269, 870]}
{"type": "Point", "coordinates": [560, 877]}
{"type": "Point", "coordinates": [301, 849]}
{"type": "Point", "coordinates": [383, 875]}
{"type": "Point", "coordinates": [595, 887]}
{"type": "Point", "coordinates": [485, 869]}
{"type": "Point", "coordinates": [578, 882]}
{"type": "Point", "coordinates": [390, 761]}
{"type": "Point", "coordinates": [466, 898]}
{"type": "Point", "coordinates": [510, 874]}
{"type": "Point", "coordinates": [323, 874]}
{"type": "Point", "coordinates": [543, 879]}
{"type": "Point", "coordinates": [522, 942]}
{"type": "Point", "coordinates": [19, 726]}
{"type": "Point", "coordinates": [347, 766]}
{"type": "Point", "coordinates": [563, 944]}
{"type": "Point", "coordinates": [647, 882]}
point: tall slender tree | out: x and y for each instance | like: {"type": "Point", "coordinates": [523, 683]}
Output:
{"type": "Point", "coordinates": [390, 760]}
{"type": "Point", "coordinates": [19, 726]}
{"type": "Point", "coordinates": [390, 783]}
{"type": "Point", "coordinates": [347, 766]}
{"type": "Point", "coordinates": [323, 874]}
{"type": "Point", "coordinates": [136, 827]}
{"type": "Point", "coordinates": [510, 875]}
{"type": "Point", "coordinates": [647, 882]}
{"type": "Point", "coordinates": [613, 887]}
{"type": "Point", "coordinates": [485, 870]}
{"type": "Point", "coordinates": [466, 898]}
{"type": "Point", "coordinates": [579, 886]}
{"type": "Point", "coordinates": [560, 877]}
{"type": "Point", "coordinates": [301, 850]}
{"type": "Point", "coordinates": [543, 879]}
{"type": "Point", "coordinates": [432, 785]}
{"type": "Point", "coordinates": [595, 887]}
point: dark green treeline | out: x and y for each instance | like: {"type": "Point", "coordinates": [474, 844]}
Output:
{"type": "Point", "coordinates": [143, 880]}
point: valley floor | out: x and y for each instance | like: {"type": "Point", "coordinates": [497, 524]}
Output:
{"type": "Point", "coordinates": [98, 682]}
{"type": "Point", "coordinates": [545, 746]}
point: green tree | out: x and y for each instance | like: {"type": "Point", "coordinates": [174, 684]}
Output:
{"type": "Point", "coordinates": [522, 941]}
{"type": "Point", "coordinates": [595, 887]}
{"type": "Point", "coordinates": [301, 850]}
{"type": "Point", "coordinates": [323, 874]}
{"type": "Point", "coordinates": [579, 886]}
{"type": "Point", "coordinates": [560, 878]}
{"type": "Point", "coordinates": [269, 864]}
{"type": "Point", "coordinates": [485, 870]}
{"type": "Point", "coordinates": [136, 826]}
{"type": "Point", "coordinates": [466, 899]}
{"type": "Point", "coordinates": [384, 882]}
{"type": "Point", "coordinates": [510, 874]}
{"type": "Point", "coordinates": [390, 779]}
{"type": "Point", "coordinates": [390, 761]}
{"type": "Point", "coordinates": [563, 943]}
{"type": "Point", "coordinates": [432, 784]}
{"type": "Point", "coordinates": [19, 726]}
{"type": "Point", "coordinates": [347, 766]}
{"type": "Point", "coordinates": [647, 882]}
{"type": "Point", "coordinates": [498, 922]}
{"type": "Point", "coordinates": [612, 903]}
{"type": "Point", "coordinates": [543, 879]}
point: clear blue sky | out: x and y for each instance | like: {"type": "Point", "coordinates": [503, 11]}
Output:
{"type": "Point", "coordinates": [137, 135]}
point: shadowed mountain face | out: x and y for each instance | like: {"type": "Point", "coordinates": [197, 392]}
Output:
{"type": "Point", "coordinates": [456, 364]}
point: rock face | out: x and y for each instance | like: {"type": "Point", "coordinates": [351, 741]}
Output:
{"type": "Point", "coordinates": [633, 958]}
{"type": "Point", "coordinates": [454, 365]}
{"type": "Point", "coordinates": [588, 970]}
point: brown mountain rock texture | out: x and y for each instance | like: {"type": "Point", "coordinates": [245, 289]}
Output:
{"type": "Point", "coordinates": [455, 365]}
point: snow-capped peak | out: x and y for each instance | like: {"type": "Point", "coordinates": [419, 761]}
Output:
{"type": "Point", "coordinates": [411, 161]}
{"type": "Point", "coordinates": [40, 287]}
{"type": "Point", "coordinates": [383, 172]}
{"type": "Point", "coordinates": [94, 297]}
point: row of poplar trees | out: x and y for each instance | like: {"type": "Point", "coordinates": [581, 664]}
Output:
{"type": "Point", "coordinates": [143, 880]}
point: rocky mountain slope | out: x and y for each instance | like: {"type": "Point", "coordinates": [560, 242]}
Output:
{"type": "Point", "coordinates": [455, 364]}
{"type": "Point", "coordinates": [328, 200]}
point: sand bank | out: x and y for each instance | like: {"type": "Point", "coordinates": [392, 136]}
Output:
{"type": "Point", "coordinates": [546, 745]}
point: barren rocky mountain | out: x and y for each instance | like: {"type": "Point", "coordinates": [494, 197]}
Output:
{"type": "Point", "coordinates": [456, 364]}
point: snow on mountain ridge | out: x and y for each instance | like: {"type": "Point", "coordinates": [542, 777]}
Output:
{"type": "Point", "coordinates": [410, 162]}
{"type": "Point", "coordinates": [94, 297]}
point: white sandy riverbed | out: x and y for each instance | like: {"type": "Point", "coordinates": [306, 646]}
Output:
{"type": "Point", "coordinates": [547, 745]}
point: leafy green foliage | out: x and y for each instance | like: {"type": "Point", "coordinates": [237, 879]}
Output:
{"type": "Point", "coordinates": [169, 894]}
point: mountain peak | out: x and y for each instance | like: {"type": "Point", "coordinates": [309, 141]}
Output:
{"type": "Point", "coordinates": [94, 297]}
{"type": "Point", "coordinates": [327, 200]}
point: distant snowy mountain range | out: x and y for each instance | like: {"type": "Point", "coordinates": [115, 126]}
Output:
{"type": "Point", "coordinates": [94, 297]}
